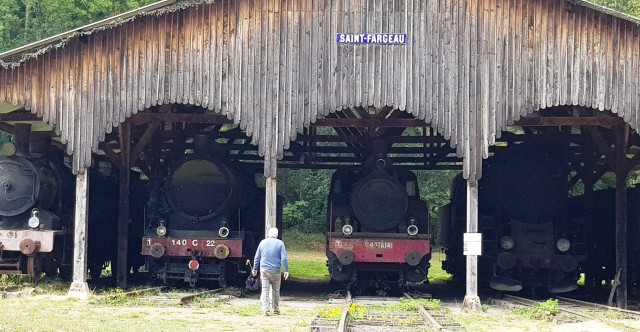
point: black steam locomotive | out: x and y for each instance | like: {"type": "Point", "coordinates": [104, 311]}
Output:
{"type": "Point", "coordinates": [378, 225]}
{"type": "Point", "coordinates": [529, 236]}
{"type": "Point", "coordinates": [204, 220]}
{"type": "Point", "coordinates": [36, 214]}
{"type": "Point", "coordinates": [600, 218]}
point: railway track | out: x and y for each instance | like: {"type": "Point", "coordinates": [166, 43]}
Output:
{"type": "Point", "coordinates": [572, 310]}
{"type": "Point", "coordinates": [167, 298]}
{"type": "Point", "coordinates": [375, 314]}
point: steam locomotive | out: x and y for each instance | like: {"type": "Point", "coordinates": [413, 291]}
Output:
{"type": "Point", "coordinates": [530, 238]}
{"type": "Point", "coordinates": [600, 270]}
{"type": "Point", "coordinates": [204, 220]}
{"type": "Point", "coordinates": [378, 225]}
{"type": "Point", "coordinates": [37, 208]}
{"type": "Point", "coordinates": [36, 213]}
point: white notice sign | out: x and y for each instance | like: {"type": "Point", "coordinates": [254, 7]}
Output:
{"type": "Point", "coordinates": [472, 244]}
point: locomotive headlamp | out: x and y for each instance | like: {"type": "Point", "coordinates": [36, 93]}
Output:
{"type": "Point", "coordinates": [34, 221]}
{"type": "Point", "coordinates": [161, 230]}
{"type": "Point", "coordinates": [223, 232]}
{"type": "Point", "coordinates": [507, 243]}
{"type": "Point", "coordinates": [412, 230]}
{"type": "Point", "coordinates": [347, 229]}
{"type": "Point", "coordinates": [563, 244]}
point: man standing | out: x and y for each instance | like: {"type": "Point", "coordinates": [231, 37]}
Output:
{"type": "Point", "coordinates": [271, 256]}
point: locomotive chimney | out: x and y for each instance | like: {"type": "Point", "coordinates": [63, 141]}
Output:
{"type": "Point", "coordinates": [201, 144]}
{"type": "Point", "coordinates": [23, 132]}
{"type": "Point", "coordinates": [40, 144]}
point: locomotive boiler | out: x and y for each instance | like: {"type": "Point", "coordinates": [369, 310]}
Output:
{"type": "Point", "coordinates": [378, 225]}
{"type": "Point", "coordinates": [35, 213]}
{"type": "Point", "coordinates": [530, 238]}
{"type": "Point", "coordinates": [204, 220]}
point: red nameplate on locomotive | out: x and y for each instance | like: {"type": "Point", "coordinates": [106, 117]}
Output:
{"type": "Point", "coordinates": [379, 250]}
{"type": "Point", "coordinates": [186, 246]}
{"type": "Point", "coordinates": [10, 239]}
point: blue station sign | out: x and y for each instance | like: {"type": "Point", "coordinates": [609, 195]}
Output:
{"type": "Point", "coordinates": [371, 38]}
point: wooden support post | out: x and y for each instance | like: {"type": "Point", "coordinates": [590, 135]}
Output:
{"type": "Point", "coordinates": [271, 196]}
{"type": "Point", "coordinates": [622, 137]}
{"type": "Point", "coordinates": [79, 287]}
{"type": "Point", "coordinates": [591, 270]}
{"type": "Point", "coordinates": [471, 299]}
{"type": "Point", "coordinates": [123, 215]}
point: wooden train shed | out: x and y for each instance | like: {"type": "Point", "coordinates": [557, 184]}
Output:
{"type": "Point", "coordinates": [322, 83]}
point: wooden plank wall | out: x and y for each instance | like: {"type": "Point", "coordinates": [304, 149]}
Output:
{"type": "Point", "coordinates": [471, 67]}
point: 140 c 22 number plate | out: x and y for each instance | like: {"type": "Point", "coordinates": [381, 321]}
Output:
{"type": "Point", "coordinates": [186, 242]}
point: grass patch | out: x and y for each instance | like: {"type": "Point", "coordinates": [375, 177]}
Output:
{"type": "Point", "coordinates": [406, 305]}
{"type": "Point", "coordinates": [546, 310]}
{"type": "Point", "coordinates": [436, 274]}
{"type": "Point", "coordinates": [331, 313]}
{"type": "Point", "coordinates": [307, 258]}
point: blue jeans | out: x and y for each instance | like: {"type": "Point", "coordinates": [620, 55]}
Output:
{"type": "Point", "coordinates": [270, 282]}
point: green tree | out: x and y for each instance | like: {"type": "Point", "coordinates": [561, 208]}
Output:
{"type": "Point", "coordinates": [305, 198]}
{"type": "Point", "coordinates": [630, 7]}
{"type": "Point", "coordinates": [26, 21]}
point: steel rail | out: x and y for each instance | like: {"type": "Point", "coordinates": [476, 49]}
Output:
{"type": "Point", "coordinates": [138, 291]}
{"type": "Point", "coordinates": [531, 302]}
{"type": "Point", "coordinates": [188, 298]}
{"type": "Point", "coordinates": [598, 306]}
{"type": "Point", "coordinates": [427, 316]}
{"type": "Point", "coordinates": [343, 325]}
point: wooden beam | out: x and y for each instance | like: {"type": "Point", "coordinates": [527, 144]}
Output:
{"type": "Point", "coordinates": [372, 122]}
{"type": "Point", "coordinates": [144, 140]}
{"type": "Point", "coordinates": [123, 210]}
{"type": "Point", "coordinates": [633, 162]}
{"type": "Point", "coordinates": [622, 134]}
{"type": "Point", "coordinates": [603, 147]}
{"type": "Point", "coordinates": [144, 117]}
{"type": "Point", "coordinates": [19, 116]}
{"type": "Point", "coordinates": [365, 139]}
{"type": "Point", "coordinates": [570, 121]}
{"type": "Point", "coordinates": [79, 287]}
{"type": "Point", "coordinates": [113, 157]}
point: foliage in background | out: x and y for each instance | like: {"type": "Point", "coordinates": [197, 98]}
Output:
{"type": "Point", "coordinates": [631, 7]}
{"type": "Point", "coordinates": [26, 21]}
{"type": "Point", "coordinates": [4, 137]}
{"type": "Point", "coordinates": [305, 198]}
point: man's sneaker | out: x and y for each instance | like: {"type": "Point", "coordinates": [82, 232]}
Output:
{"type": "Point", "coordinates": [276, 312]}
{"type": "Point", "coordinates": [265, 314]}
